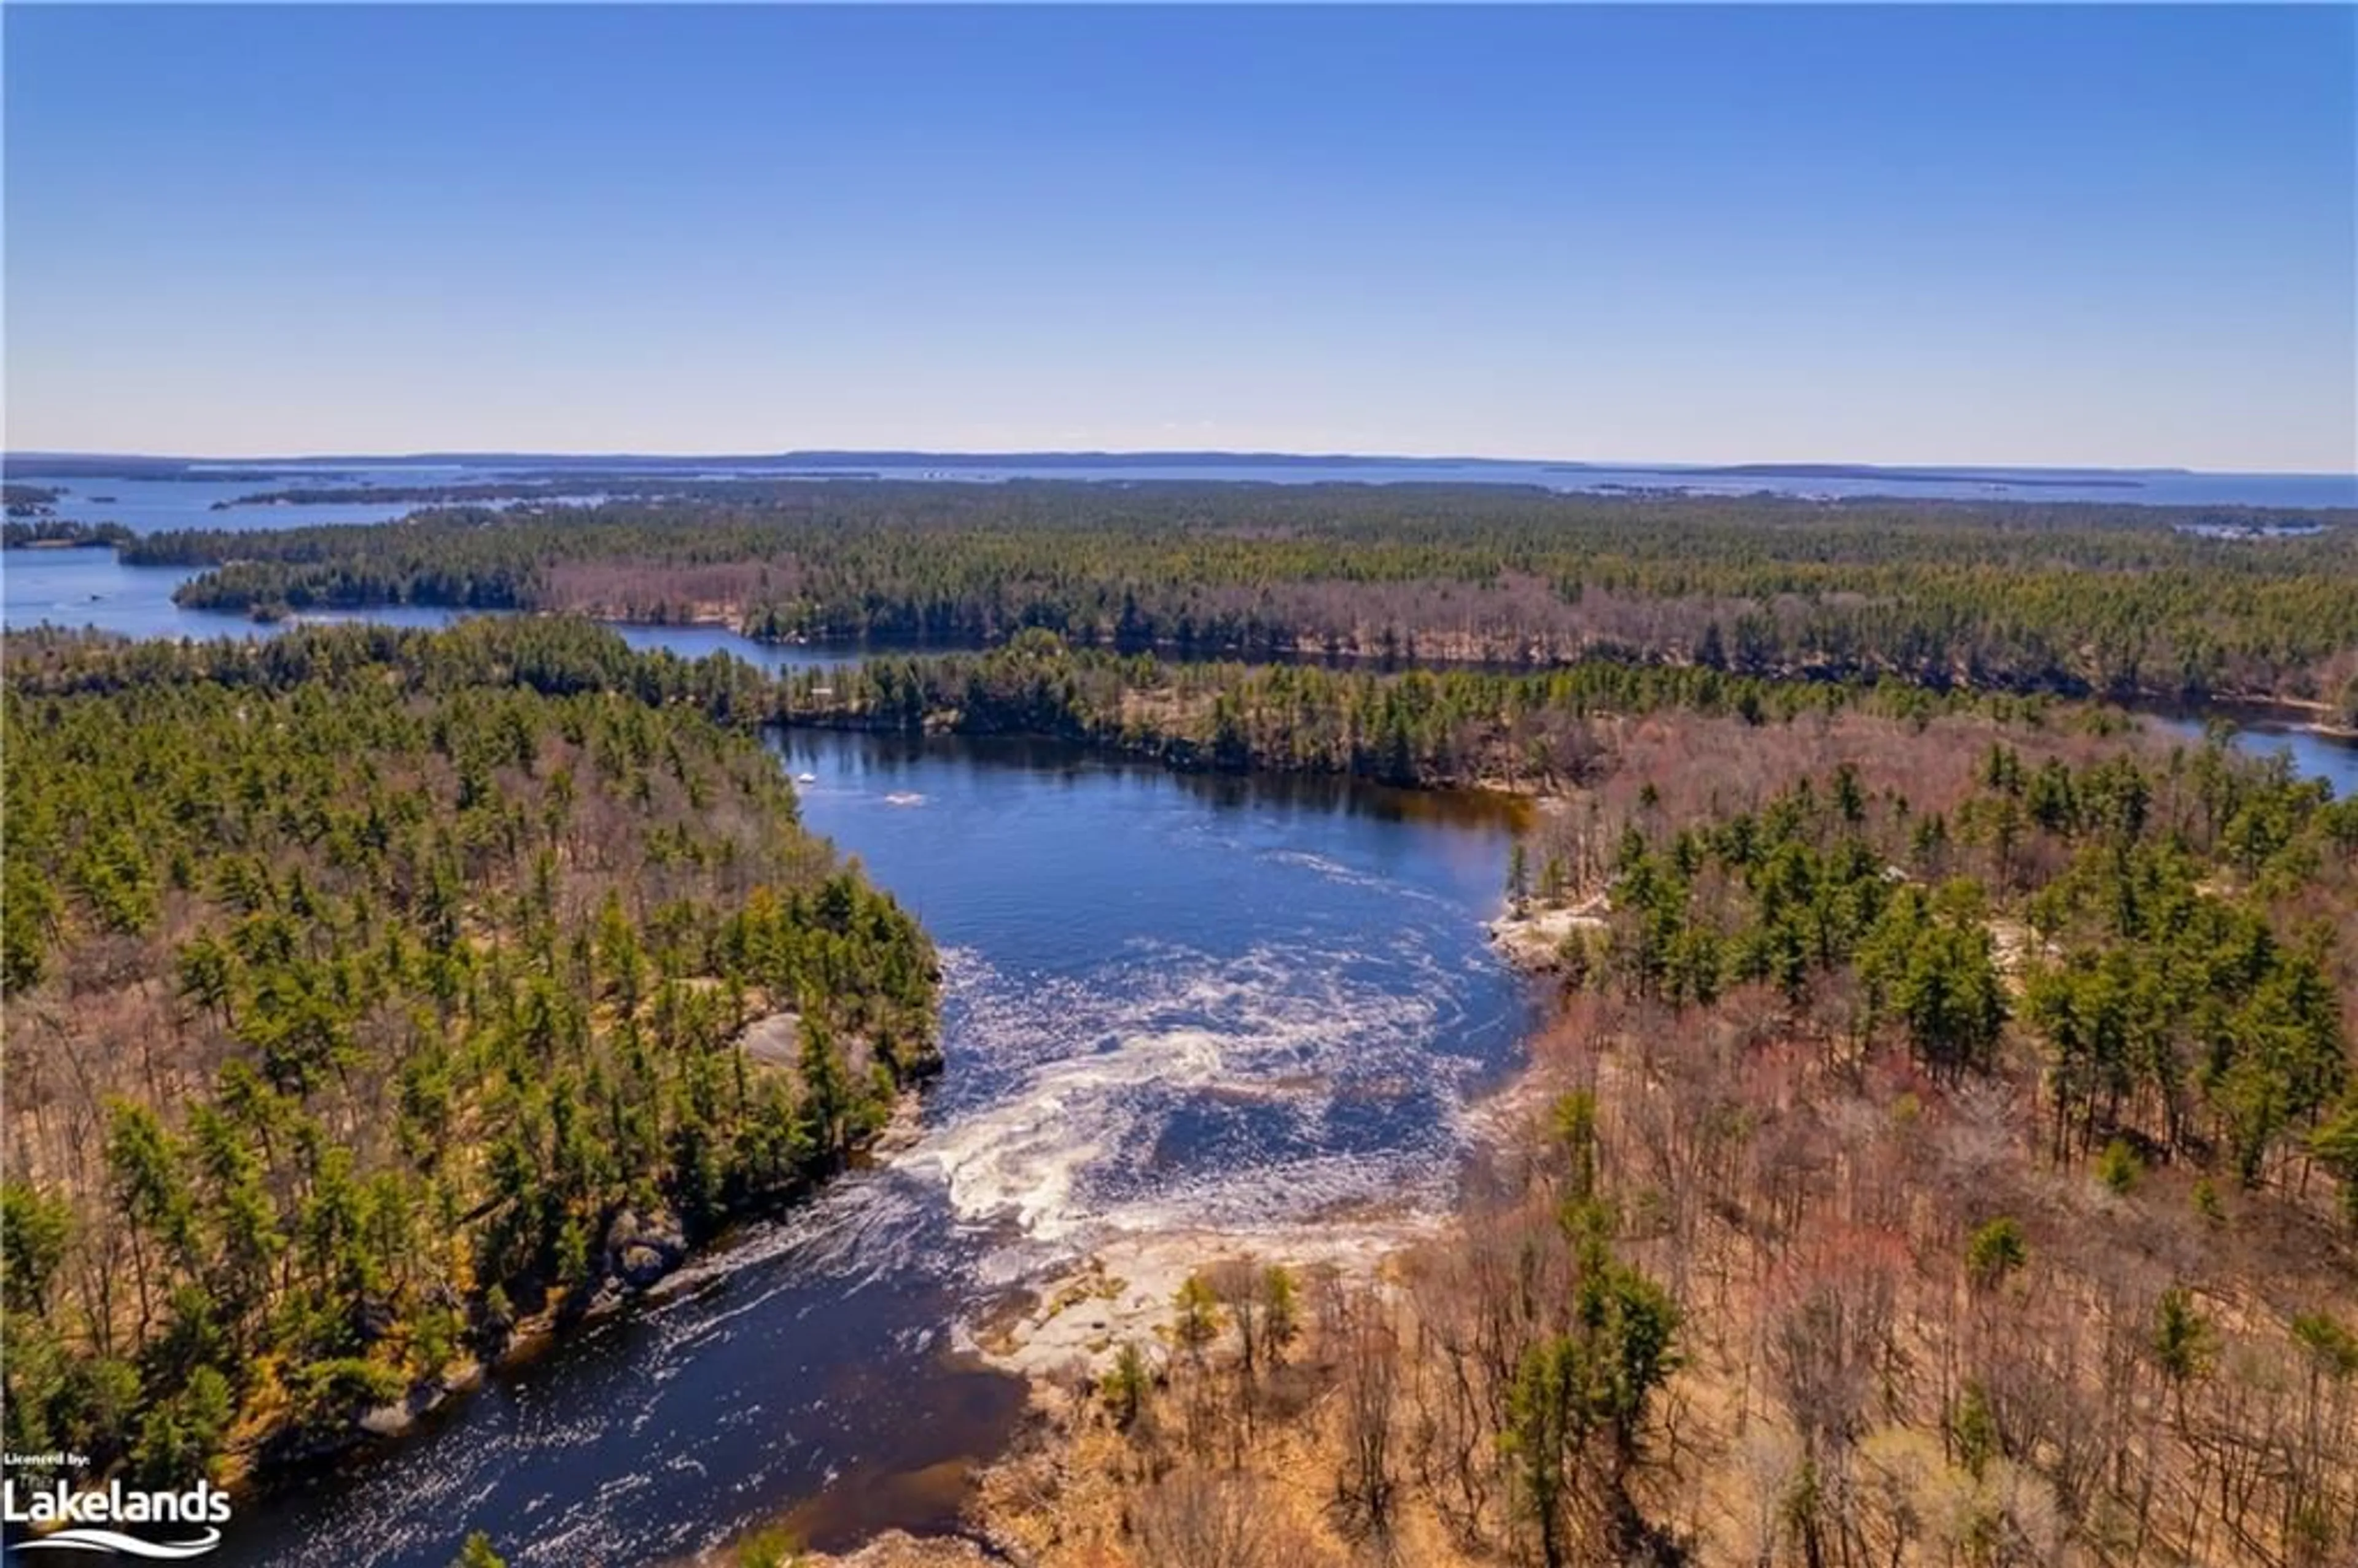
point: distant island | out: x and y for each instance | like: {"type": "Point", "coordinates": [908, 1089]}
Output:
{"type": "Point", "coordinates": [45, 533]}
{"type": "Point", "coordinates": [27, 500]}
{"type": "Point", "coordinates": [2008, 477]}
{"type": "Point", "coordinates": [349, 469]}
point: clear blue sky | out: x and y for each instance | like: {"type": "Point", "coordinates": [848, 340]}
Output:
{"type": "Point", "coordinates": [2011, 235]}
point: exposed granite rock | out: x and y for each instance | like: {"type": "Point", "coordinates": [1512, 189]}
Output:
{"type": "Point", "coordinates": [641, 1248]}
{"type": "Point", "coordinates": [896, 1548]}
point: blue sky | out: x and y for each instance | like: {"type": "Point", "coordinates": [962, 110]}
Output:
{"type": "Point", "coordinates": [2101, 235]}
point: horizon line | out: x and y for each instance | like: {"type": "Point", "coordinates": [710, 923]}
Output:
{"type": "Point", "coordinates": [16, 457]}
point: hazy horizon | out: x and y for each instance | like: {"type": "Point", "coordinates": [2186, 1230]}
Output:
{"type": "Point", "coordinates": [283, 458]}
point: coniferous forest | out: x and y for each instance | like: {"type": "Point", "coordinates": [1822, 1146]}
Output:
{"type": "Point", "coordinates": [1949, 1155]}
{"type": "Point", "coordinates": [1180, 787]}
{"type": "Point", "coordinates": [2123, 600]}
{"type": "Point", "coordinates": [370, 994]}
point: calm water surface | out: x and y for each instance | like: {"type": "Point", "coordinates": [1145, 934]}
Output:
{"type": "Point", "coordinates": [88, 587]}
{"type": "Point", "coordinates": [147, 505]}
{"type": "Point", "coordinates": [2333, 758]}
{"type": "Point", "coordinates": [150, 505]}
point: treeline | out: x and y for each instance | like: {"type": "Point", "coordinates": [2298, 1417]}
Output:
{"type": "Point", "coordinates": [1425, 728]}
{"type": "Point", "coordinates": [2175, 1006]}
{"type": "Point", "coordinates": [1531, 729]}
{"type": "Point", "coordinates": [2064, 597]}
{"type": "Point", "coordinates": [368, 993]}
{"type": "Point", "coordinates": [17, 535]}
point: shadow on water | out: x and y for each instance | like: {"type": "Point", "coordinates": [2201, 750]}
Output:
{"type": "Point", "coordinates": [924, 1487]}
{"type": "Point", "coordinates": [1071, 763]}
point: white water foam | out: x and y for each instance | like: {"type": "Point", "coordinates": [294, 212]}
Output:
{"type": "Point", "coordinates": [1079, 1081]}
{"type": "Point", "coordinates": [1334, 871]}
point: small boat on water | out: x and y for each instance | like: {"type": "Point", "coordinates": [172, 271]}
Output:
{"type": "Point", "coordinates": [805, 778]}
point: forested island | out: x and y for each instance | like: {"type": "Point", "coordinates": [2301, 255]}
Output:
{"type": "Point", "coordinates": [60, 533]}
{"type": "Point", "coordinates": [374, 997]}
{"type": "Point", "coordinates": [28, 500]}
{"type": "Point", "coordinates": [2077, 598]}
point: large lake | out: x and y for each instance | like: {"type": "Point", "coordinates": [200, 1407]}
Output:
{"type": "Point", "coordinates": [149, 505]}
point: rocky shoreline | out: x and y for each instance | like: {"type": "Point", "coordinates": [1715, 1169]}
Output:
{"type": "Point", "coordinates": [644, 1257]}
{"type": "Point", "coordinates": [1533, 935]}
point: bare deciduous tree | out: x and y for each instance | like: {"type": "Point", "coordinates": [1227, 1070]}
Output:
{"type": "Point", "coordinates": [1198, 1518]}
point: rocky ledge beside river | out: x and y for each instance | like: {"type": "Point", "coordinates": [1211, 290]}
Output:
{"type": "Point", "coordinates": [896, 1548]}
{"type": "Point", "coordinates": [1533, 935]}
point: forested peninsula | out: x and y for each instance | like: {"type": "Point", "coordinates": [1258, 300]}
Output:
{"type": "Point", "coordinates": [372, 994]}
{"type": "Point", "coordinates": [2078, 598]}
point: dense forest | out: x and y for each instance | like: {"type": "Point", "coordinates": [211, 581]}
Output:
{"type": "Point", "coordinates": [2119, 600]}
{"type": "Point", "coordinates": [1948, 1157]}
{"type": "Point", "coordinates": [369, 993]}
{"type": "Point", "coordinates": [1532, 730]}
{"type": "Point", "coordinates": [53, 532]}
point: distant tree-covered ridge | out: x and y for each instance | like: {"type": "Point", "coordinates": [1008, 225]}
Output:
{"type": "Point", "coordinates": [2068, 597]}
{"type": "Point", "coordinates": [369, 991]}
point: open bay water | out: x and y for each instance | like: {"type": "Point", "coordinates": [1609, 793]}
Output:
{"type": "Point", "coordinates": [2132, 487]}
{"type": "Point", "coordinates": [145, 505]}
{"type": "Point", "coordinates": [87, 586]}
{"type": "Point", "coordinates": [154, 505]}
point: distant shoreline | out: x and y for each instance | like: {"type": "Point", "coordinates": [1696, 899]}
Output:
{"type": "Point", "coordinates": [2022, 479]}
{"type": "Point", "coordinates": [324, 466]}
